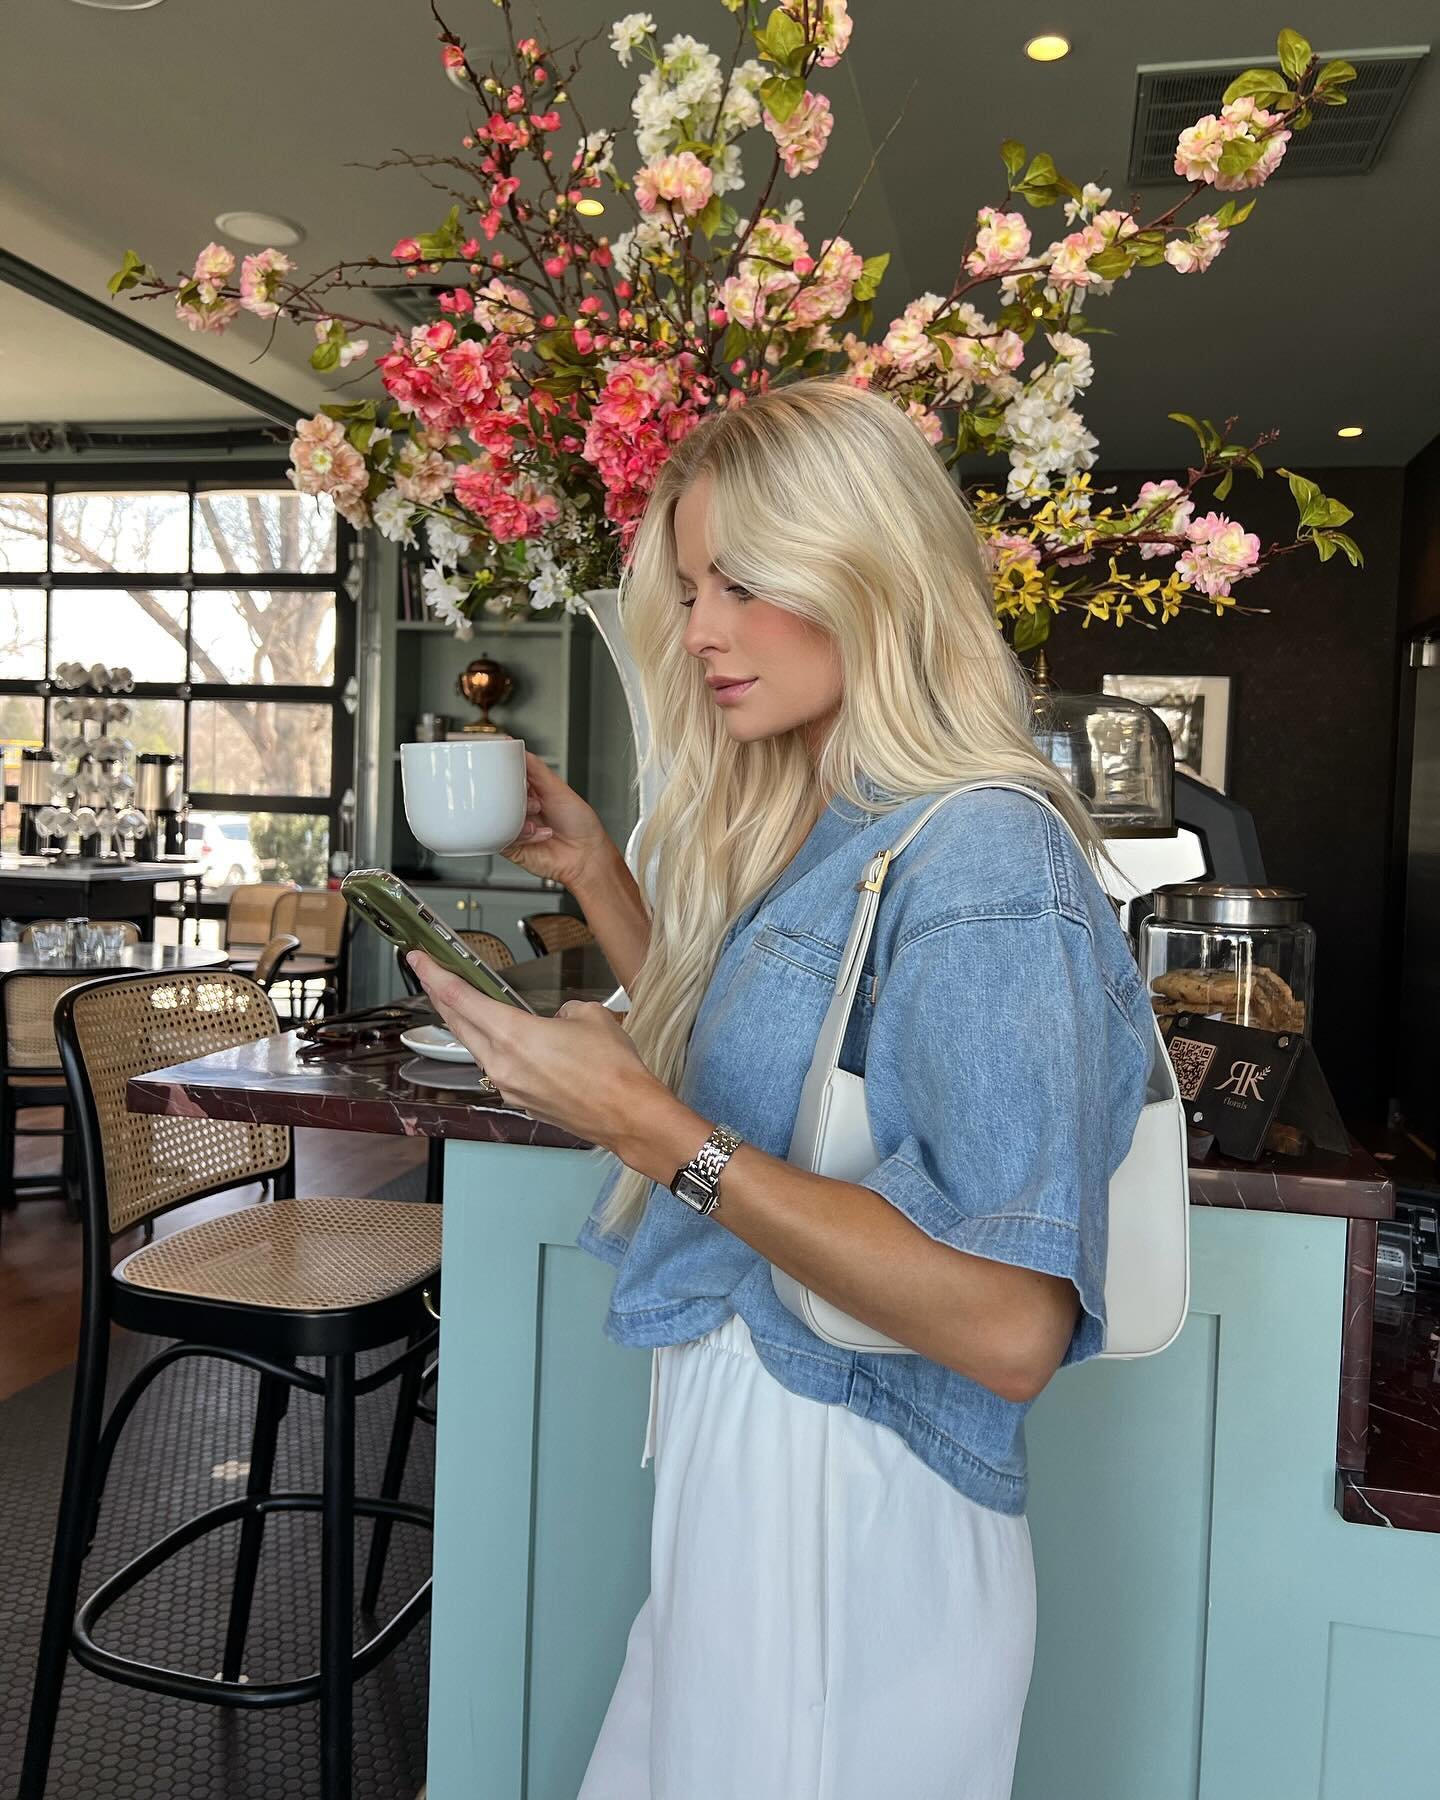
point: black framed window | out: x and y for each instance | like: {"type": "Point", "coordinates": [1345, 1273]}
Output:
{"type": "Point", "coordinates": [225, 596]}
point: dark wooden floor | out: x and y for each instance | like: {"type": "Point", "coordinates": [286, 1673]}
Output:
{"type": "Point", "coordinates": [40, 1243]}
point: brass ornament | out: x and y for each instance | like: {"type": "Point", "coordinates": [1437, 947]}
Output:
{"type": "Point", "coordinates": [485, 683]}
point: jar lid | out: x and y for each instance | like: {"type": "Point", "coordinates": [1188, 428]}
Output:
{"type": "Point", "coordinates": [1215, 903]}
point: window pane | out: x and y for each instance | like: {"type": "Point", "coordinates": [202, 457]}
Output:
{"type": "Point", "coordinates": [239, 848]}
{"type": "Point", "coordinates": [22, 634]}
{"type": "Point", "coordinates": [263, 531]}
{"type": "Point", "coordinates": [142, 630]}
{"type": "Point", "coordinates": [259, 747]}
{"type": "Point", "coordinates": [130, 533]}
{"type": "Point", "coordinates": [157, 727]}
{"type": "Point", "coordinates": [262, 638]}
{"type": "Point", "coordinates": [22, 532]}
{"type": "Point", "coordinates": [22, 726]}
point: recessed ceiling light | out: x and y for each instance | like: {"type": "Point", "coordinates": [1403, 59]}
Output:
{"type": "Point", "coordinates": [259, 228]}
{"type": "Point", "coordinates": [1351, 431]}
{"type": "Point", "coordinates": [1048, 47]}
{"type": "Point", "coordinates": [591, 207]}
{"type": "Point", "coordinates": [119, 5]}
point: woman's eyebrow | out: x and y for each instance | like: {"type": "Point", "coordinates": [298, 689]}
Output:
{"type": "Point", "coordinates": [712, 570]}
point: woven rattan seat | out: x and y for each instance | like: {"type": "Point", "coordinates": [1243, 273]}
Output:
{"type": "Point", "coordinates": [310, 1255]}
{"type": "Point", "coordinates": [548, 932]}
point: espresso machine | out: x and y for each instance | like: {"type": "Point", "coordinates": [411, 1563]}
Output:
{"type": "Point", "coordinates": [36, 789]}
{"type": "Point", "coordinates": [160, 795]}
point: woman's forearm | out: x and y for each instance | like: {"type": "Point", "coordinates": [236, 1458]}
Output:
{"type": "Point", "coordinates": [616, 912]}
{"type": "Point", "coordinates": [1004, 1327]}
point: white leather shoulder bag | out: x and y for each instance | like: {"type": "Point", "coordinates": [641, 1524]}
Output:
{"type": "Point", "coordinates": [1147, 1271]}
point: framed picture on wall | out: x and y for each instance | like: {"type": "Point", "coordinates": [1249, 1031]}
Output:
{"type": "Point", "coordinates": [1196, 711]}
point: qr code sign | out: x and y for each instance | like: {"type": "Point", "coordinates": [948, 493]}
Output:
{"type": "Point", "coordinates": [1191, 1060]}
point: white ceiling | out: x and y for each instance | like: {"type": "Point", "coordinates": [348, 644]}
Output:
{"type": "Point", "coordinates": [132, 130]}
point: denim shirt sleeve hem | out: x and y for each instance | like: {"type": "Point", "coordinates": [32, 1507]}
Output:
{"type": "Point", "coordinates": [607, 1246]}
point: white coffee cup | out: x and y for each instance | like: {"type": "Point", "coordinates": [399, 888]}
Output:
{"type": "Point", "coordinates": [465, 799]}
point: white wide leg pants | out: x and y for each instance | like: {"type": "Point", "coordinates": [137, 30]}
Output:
{"type": "Point", "coordinates": [828, 1619]}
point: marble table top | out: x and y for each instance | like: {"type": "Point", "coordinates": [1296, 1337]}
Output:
{"type": "Point", "coordinates": [383, 1088]}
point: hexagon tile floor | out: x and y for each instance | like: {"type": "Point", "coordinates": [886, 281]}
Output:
{"type": "Point", "coordinates": [185, 1448]}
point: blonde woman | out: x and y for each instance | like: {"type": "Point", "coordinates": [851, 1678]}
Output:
{"type": "Point", "coordinates": [842, 1590]}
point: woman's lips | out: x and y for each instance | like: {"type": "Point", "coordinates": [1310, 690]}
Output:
{"type": "Point", "coordinates": [734, 690]}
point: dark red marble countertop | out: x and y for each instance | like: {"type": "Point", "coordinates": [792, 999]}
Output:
{"type": "Point", "coordinates": [386, 1089]}
{"type": "Point", "coordinates": [1397, 1480]}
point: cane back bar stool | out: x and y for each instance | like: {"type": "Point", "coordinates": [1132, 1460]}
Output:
{"type": "Point", "coordinates": [263, 1287]}
{"type": "Point", "coordinates": [320, 918]}
{"type": "Point", "coordinates": [31, 1077]}
{"type": "Point", "coordinates": [546, 932]}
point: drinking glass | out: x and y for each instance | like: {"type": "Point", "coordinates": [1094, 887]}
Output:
{"type": "Point", "coordinates": [48, 942]}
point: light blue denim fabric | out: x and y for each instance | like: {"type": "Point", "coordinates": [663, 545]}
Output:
{"type": "Point", "coordinates": [1004, 1033]}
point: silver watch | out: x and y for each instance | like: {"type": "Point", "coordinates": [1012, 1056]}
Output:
{"type": "Point", "coordinates": [698, 1183]}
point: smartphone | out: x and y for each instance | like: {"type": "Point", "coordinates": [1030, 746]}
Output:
{"type": "Point", "coordinates": [385, 902]}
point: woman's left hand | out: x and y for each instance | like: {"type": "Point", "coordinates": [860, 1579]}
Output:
{"type": "Point", "coordinates": [577, 1070]}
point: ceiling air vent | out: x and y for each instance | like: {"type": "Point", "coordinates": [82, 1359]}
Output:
{"type": "Point", "coordinates": [1341, 140]}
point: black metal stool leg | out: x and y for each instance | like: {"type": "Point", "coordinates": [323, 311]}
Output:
{"type": "Point", "coordinates": [71, 1532]}
{"type": "Point", "coordinates": [337, 1579]}
{"type": "Point", "coordinates": [269, 1411]}
{"type": "Point", "coordinates": [401, 1431]}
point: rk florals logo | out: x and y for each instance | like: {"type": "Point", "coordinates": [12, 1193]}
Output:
{"type": "Point", "coordinates": [1242, 1085]}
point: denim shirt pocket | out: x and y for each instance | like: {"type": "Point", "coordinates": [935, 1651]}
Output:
{"type": "Point", "coordinates": [820, 958]}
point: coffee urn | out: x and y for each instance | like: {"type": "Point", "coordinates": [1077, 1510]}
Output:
{"type": "Point", "coordinates": [159, 794]}
{"type": "Point", "coordinates": [37, 789]}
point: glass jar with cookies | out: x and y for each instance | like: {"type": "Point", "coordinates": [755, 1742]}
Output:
{"type": "Point", "coordinates": [1243, 954]}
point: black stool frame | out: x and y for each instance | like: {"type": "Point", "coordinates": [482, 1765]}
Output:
{"type": "Point", "coordinates": [270, 1341]}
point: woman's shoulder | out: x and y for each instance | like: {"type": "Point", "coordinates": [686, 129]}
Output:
{"type": "Point", "coordinates": [988, 851]}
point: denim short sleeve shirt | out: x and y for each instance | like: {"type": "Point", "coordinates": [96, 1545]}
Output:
{"type": "Point", "coordinates": [1005, 1036]}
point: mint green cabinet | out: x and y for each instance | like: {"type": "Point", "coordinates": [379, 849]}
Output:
{"type": "Point", "coordinates": [1209, 1627]}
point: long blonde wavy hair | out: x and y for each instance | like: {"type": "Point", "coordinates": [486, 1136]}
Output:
{"type": "Point", "coordinates": [826, 500]}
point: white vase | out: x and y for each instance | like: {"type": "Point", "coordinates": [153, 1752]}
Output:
{"type": "Point", "coordinates": [603, 607]}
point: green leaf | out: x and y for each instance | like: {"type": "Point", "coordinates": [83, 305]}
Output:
{"type": "Point", "coordinates": [735, 343]}
{"type": "Point", "coordinates": [1012, 154]}
{"type": "Point", "coordinates": [1240, 154]}
{"type": "Point", "coordinates": [1032, 629]}
{"type": "Point", "coordinates": [1325, 545]}
{"type": "Point", "coordinates": [1294, 53]}
{"type": "Point", "coordinates": [708, 219]}
{"type": "Point", "coordinates": [1111, 262]}
{"type": "Point", "coordinates": [1233, 213]}
{"type": "Point", "coordinates": [360, 434]}
{"type": "Point", "coordinates": [132, 271]}
{"type": "Point", "coordinates": [325, 356]}
{"type": "Point", "coordinates": [1256, 82]}
{"type": "Point", "coordinates": [781, 41]}
{"type": "Point", "coordinates": [872, 272]}
{"type": "Point", "coordinates": [782, 94]}
{"type": "Point", "coordinates": [1333, 73]}
{"type": "Point", "coordinates": [1335, 513]}
{"type": "Point", "coordinates": [1224, 484]}
{"type": "Point", "coordinates": [1349, 546]}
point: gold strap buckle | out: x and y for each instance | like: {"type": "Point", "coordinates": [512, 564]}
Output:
{"type": "Point", "coordinates": [875, 880]}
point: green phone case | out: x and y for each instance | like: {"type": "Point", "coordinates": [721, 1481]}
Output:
{"type": "Point", "coordinates": [384, 901]}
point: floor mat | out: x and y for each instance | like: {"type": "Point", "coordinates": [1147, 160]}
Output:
{"type": "Point", "coordinates": [186, 1448]}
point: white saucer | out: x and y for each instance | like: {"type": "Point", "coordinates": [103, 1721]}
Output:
{"type": "Point", "coordinates": [437, 1042]}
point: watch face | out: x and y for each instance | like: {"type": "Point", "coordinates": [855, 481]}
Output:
{"type": "Point", "coordinates": [693, 1191]}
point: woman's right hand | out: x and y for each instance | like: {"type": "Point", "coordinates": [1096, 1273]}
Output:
{"type": "Point", "coordinates": [562, 837]}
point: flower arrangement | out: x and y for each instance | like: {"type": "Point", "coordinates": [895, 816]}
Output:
{"type": "Point", "coordinates": [527, 417]}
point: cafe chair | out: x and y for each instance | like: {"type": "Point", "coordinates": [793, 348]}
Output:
{"type": "Point", "coordinates": [320, 918]}
{"type": "Point", "coordinates": [270, 963]}
{"type": "Point", "coordinates": [494, 949]}
{"type": "Point", "coordinates": [249, 920]}
{"type": "Point", "coordinates": [31, 1078]}
{"type": "Point", "coordinates": [499, 955]}
{"type": "Point", "coordinates": [130, 931]}
{"type": "Point", "coordinates": [546, 932]}
{"type": "Point", "coordinates": [264, 1287]}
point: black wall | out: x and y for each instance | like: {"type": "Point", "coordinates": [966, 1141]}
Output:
{"type": "Point", "coordinates": [1313, 721]}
